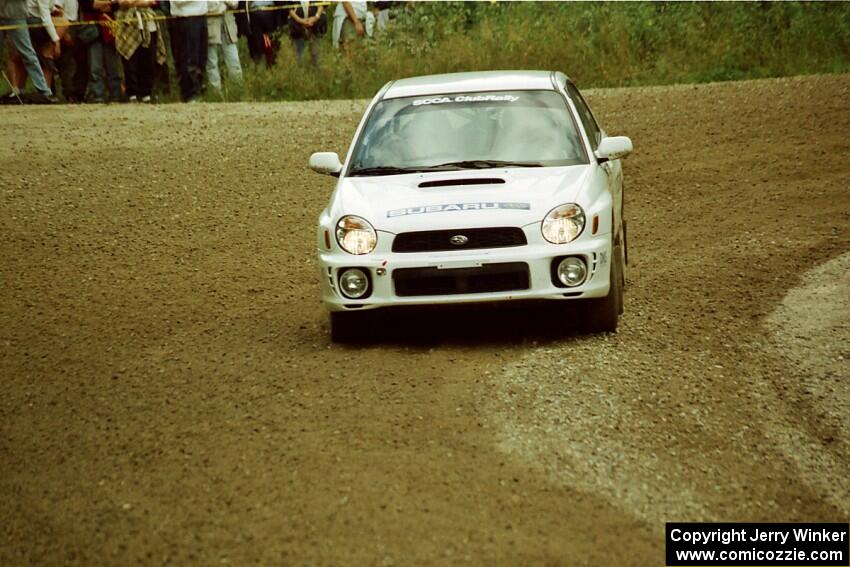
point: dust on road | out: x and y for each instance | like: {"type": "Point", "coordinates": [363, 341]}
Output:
{"type": "Point", "coordinates": [170, 394]}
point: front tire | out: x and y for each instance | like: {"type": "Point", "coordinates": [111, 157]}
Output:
{"type": "Point", "coordinates": [602, 315]}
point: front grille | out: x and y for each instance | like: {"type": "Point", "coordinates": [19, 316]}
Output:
{"type": "Point", "coordinates": [439, 240]}
{"type": "Point", "coordinates": [510, 276]}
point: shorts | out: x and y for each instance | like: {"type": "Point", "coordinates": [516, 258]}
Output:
{"type": "Point", "coordinates": [348, 32]}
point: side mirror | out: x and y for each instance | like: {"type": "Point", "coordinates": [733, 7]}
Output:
{"type": "Point", "coordinates": [326, 162]}
{"type": "Point", "coordinates": [613, 147]}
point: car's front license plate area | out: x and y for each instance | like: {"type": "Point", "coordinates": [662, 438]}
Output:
{"type": "Point", "coordinates": [487, 278]}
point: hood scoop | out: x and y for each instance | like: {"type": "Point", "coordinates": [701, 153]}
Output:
{"type": "Point", "coordinates": [464, 181]}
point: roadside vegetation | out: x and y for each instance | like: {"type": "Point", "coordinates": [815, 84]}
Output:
{"type": "Point", "coordinates": [599, 44]}
{"type": "Point", "coordinates": [608, 44]}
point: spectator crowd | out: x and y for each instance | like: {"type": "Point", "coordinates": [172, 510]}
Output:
{"type": "Point", "coordinates": [118, 50]}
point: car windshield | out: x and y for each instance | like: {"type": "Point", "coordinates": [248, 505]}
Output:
{"type": "Point", "coordinates": [468, 131]}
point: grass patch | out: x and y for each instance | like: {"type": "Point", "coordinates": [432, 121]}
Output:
{"type": "Point", "coordinates": [607, 44]}
{"type": "Point", "coordinates": [598, 44]}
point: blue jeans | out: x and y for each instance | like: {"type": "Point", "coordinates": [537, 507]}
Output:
{"type": "Point", "coordinates": [300, 43]}
{"type": "Point", "coordinates": [21, 40]}
{"type": "Point", "coordinates": [231, 61]}
{"type": "Point", "coordinates": [102, 55]}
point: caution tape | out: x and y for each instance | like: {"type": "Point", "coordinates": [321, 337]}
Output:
{"type": "Point", "coordinates": [114, 22]}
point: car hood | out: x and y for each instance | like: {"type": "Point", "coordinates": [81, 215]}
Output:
{"type": "Point", "coordinates": [397, 203]}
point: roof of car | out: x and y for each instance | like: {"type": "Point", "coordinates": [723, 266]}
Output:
{"type": "Point", "coordinates": [470, 82]}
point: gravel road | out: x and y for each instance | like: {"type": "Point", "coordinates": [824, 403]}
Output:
{"type": "Point", "coordinates": [170, 395]}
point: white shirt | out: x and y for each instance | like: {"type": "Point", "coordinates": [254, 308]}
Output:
{"type": "Point", "coordinates": [216, 7]}
{"type": "Point", "coordinates": [219, 7]}
{"type": "Point", "coordinates": [360, 10]}
{"type": "Point", "coordinates": [41, 9]}
{"type": "Point", "coordinates": [70, 9]}
{"type": "Point", "coordinates": [188, 8]}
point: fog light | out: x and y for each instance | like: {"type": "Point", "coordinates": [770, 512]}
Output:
{"type": "Point", "coordinates": [572, 271]}
{"type": "Point", "coordinates": [354, 283]}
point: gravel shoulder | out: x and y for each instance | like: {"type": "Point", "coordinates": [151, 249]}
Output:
{"type": "Point", "coordinates": [713, 402]}
{"type": "Point", "coordinates": [171, 396]}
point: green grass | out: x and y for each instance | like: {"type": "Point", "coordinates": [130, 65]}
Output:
{"type": "Point", "coordinates": [598, 44]}
{"type": "Point", "coordinates": [605, 44]}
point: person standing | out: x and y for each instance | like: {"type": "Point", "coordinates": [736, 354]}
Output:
{"type": "Point", "coordinates": [14, 13]}
{"type": "Point", "coordinates": [139, 41]}
{"type": "Point", "coordinates": [262, 22]}
{"type": "Point", "coordinates": [307, 25]}
{"type": "Point", "coordinates": [222, 36]}
{"type": "Point", "coordinates": [102, 53]}
{"type": "Point", "coordinates": [352, 21]}
{"type": "Point", "coordinates": [73, 63]}
{"type": "Point", "coordinates": [45, 39]}
{"type": "Point", "coordinates": [190, 32]}
{"type": "Point", "coordinates": [383, 15]}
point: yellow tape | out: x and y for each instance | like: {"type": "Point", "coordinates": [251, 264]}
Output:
{"type": "Point", "coordinates": [156, 18]}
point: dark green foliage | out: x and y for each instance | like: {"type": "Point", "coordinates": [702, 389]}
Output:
{"type": "Point", "coordinates": [599, 44]}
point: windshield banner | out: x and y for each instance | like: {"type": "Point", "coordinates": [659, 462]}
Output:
{"type": "Point", "coordinates": [466, 98]}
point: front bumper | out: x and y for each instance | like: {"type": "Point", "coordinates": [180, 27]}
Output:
{"type": "Point", "coordinates": [595, 250]}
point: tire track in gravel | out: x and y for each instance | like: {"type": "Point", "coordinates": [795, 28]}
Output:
{"type": "Point", "coordinates": [692, 411]}
{"type": "Point", "coordinates": [812, 332]}
{"type": "Point", "coordinates": [170, 394]}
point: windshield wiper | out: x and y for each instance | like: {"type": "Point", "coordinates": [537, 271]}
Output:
{"type": "Point", "coordinates": [383, 170]}
{"type": "Point", "coordinates": [488, 163]}
{"type": "Point", "coordinates": [466, 164]}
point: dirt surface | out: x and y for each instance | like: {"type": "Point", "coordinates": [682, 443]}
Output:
{"type": "Point", "coordinates": [170, 395]}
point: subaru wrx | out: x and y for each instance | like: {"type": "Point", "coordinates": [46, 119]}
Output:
{"type": "Point", "coordinates": [475, 187]}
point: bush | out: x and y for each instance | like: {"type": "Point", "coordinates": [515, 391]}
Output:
{"type": "Point", "coordinates": [598, 44]}
{"type": "Point", "coordinates": [606, 44]}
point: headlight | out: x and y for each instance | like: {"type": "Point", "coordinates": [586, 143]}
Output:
{"type": "Point", "coordinates": [563, 224]}
{"type": "Point", "coordinates": [354, 283]}
{"type": "Point", "coordinates": [355, 235]}
{"type": "Point", "coordinates": [571, 271]}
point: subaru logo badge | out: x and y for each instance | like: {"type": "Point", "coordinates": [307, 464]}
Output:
{"type": "Point", "coordinates": [458, 240]}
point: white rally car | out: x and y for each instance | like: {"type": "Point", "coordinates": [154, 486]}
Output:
{"type": "Point", "coordinates": [472, 187]}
